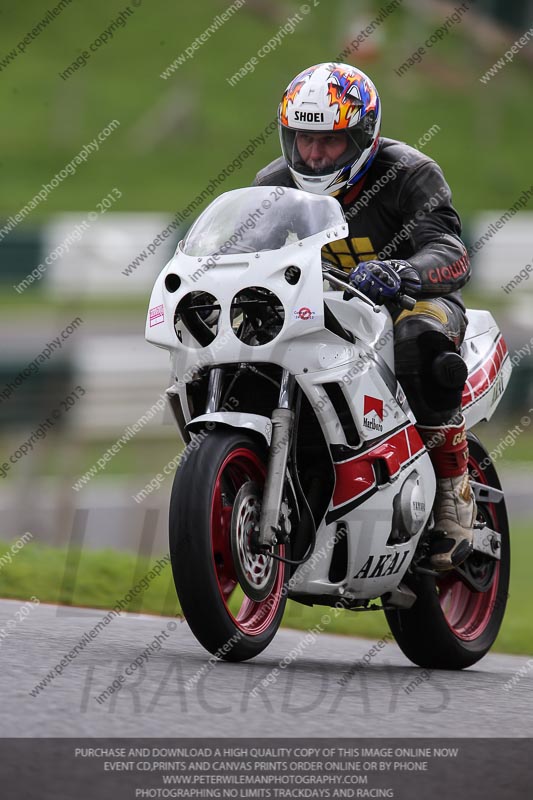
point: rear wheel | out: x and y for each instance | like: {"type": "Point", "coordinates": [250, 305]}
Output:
{"type": "Point", "coordinates": [451, 625]}
{"type": "Point", "coordinates": [214, 505]}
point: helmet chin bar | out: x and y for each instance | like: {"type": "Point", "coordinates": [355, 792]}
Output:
{"type": "Point", "coordinates": [316, 184]}
{"type": "Point", "coordinates": [327, 184]}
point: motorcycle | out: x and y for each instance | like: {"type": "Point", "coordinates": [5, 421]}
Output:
{"type": "Point", "coordinates": [303, 475]}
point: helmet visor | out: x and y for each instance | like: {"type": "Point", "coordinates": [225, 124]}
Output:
{"type": "Point", "coordinates": [323, 152]}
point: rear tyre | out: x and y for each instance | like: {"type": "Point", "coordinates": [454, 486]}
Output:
{"type": "Point", "coordinates": [225, 621]}
{"type": "Point", "coordinates": [450, 626]}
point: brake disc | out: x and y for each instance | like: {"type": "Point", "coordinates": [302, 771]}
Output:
{"type": "Point", "coordinates": [256, 572]}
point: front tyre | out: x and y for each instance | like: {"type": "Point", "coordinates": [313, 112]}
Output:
{"type": "Point", "coordinates": [225, 621]}
{"type": "Point", "coordinates": [451, 626]}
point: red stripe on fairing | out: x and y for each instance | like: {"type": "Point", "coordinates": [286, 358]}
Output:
{"type": "Point", "coordinates": [477, 384]}
{"type": "Point", "coordinates": [480, 381]}
{"type": "Point", "coordinates": [492, 370]}
{"type": "Point", "coordinates": [415, 442]}
{"type": "Point", "coordinates": [483, 378]}
{"type": "Point", "coordinates": [356, 476]}
{"type": "Point", "coordinates": [352, 478]}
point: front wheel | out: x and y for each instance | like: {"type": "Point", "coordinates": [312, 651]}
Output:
{"type": "Point", "coordinates": [451, 626]}
{"type": "Point", "coordinates": [211, 517]}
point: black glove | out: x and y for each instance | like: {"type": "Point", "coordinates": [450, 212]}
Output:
{"type": "Point", "coordinates": [411, 281]}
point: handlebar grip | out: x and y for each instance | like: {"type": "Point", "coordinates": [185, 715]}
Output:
{"type": "Point", "coordinates": [404, 301]}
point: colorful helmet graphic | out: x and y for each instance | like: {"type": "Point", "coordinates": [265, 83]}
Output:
{"type": "Point", "coordinates": [340, 103]}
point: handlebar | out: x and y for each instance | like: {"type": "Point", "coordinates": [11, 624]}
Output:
{"type": "Point", "coordinates": [337, 277]}
{"type": "Point", "coordinates": [406, 301]}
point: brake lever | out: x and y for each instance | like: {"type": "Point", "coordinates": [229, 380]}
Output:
{"type": "Point", "coordinates": [340, 273]}
{"type": "Point", "coordinates": [347, 286]}
{"type": "Point", "coordinates": [337, 277]}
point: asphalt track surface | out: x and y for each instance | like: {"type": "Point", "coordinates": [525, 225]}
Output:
{"type": "Point", "coordinates": [305, 700]}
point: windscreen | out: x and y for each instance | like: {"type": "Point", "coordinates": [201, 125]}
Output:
{"type": "Point", "coordinates": [260, 218]}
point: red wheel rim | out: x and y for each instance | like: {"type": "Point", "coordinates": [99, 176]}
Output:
{"type": "Point", "coordinates": [468, 612]}
{"type": "Point", "coordinates": [253, 617]}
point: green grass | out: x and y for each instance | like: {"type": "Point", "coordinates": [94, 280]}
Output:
{"type": "Point", "coordinates": [516, 448]}
{"type": "Point", "coordinates": [140, 457]}
{"type": "Point", "coordinates": [98, 579]}
{"type": "Point", "coordinates": [162, 163]}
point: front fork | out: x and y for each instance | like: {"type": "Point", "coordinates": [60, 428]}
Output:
{"type": "Point", "coordinates": [282, 426]}
{"type": "Point", "coordinates": [280, 443]}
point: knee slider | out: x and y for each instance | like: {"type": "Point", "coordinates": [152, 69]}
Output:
{"type": "Point", "coordinates": [449, 370]}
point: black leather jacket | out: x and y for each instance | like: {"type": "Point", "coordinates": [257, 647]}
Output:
{"type": "Point", "coordinates": [402, 209]}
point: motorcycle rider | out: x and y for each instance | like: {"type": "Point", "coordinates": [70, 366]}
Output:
{"type": "Point", "coordinates": [404, 237]}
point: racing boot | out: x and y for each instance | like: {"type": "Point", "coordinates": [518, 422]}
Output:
{"type": "Point", "coordinates": [455, 508]}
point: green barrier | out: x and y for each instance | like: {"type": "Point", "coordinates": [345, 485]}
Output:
{"type": "Point", "coordinates": [518, 395]}
{"type": "Point", "coordinates": [20, 252]}
{"type": "Point", "coordinates": [26, 399]}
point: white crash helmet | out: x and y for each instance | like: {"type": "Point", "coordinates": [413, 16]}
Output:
{"type": "Point", "coordinates": [330, 98]}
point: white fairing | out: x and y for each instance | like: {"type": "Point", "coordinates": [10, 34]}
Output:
{"type": "Point", "coordinates": [383, 424]}
{"type": "Point", "coordinates": [489, 367]}
{"type": "Point", "coordinates": [256, 423]}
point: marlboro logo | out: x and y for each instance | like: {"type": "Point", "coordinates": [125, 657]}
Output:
{"type": "Point", "coordinates": [373, 406]}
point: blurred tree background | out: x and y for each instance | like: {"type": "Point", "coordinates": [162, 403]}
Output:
{"type": "Point", "coordinates": [177, 133]}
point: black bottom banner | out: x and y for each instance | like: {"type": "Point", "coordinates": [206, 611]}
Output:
{"type": "Point", "coordinates": [125, 769]}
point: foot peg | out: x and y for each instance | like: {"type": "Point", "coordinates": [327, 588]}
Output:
{"type": "Point", "coordinates": [442, 545]}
